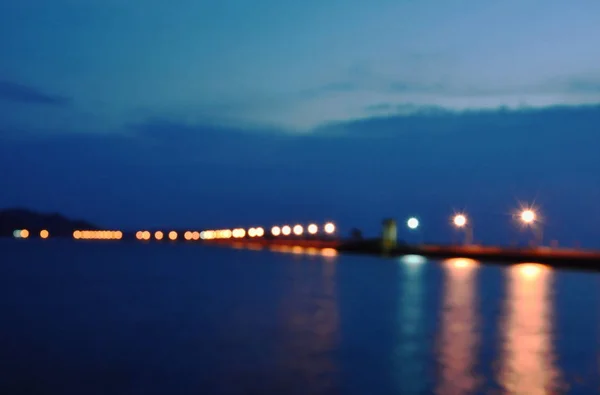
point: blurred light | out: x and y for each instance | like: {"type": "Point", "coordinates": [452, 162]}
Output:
{"type": "Point", "coordinates": [24, 233]}
{"type": "Point", "coordinates": [119, 235]}
{"type": "Point", "coordinates": [298, 230]}
{"type": "Point", "coordinates": [195, 235]}
{"type": "Point", "coordinates": [44, 234]}
{"type": "Point", "coordinates": [145, 235]}
{"type": "Point", "coordinates": [313, 229]}
{"type": "Point", "coordinates": [531, 270]}
{"type": "Point", "coordinates": [17, 233]}
{"type": "Point", "coordinates": [413, 259]}
{"type": "Point", "coordinates": [329, 252]}
{"type": "Point", "coordinates": [237, 233]}
{"type": "Point", "coordinates": [528, 216]}
{"type": "Point", "coordinates": [187, 235]}
{"type": "Point", "coordinates": [275, 231]}
{"type": "Point", "coordinates": [251, 232]}
{"type": "Point", "coordinates": [286, 230]}
{"type": "Point", "coordinates": [460, 220]}
{"type": "Point", "coordinates": [312, 251]}
{"type": "Point", "coordinates": [260, 232]}
{"type": "Point", "coordinates": [412, 223]}
{"type": "Point", "coordinates": [77, 234]}
{"type": "Point", "coordinates": [461, 262]}
{"type": "Point", "coordinates": [226, 234]}
{"type": "Point", "coordinates": [329, 228]}
{"type": "Point", "coordinates": [173, 235]}
{"type": "Point", "coordinates": [158, 235]}
{"type": "Point", "coordinates": [297, 250]}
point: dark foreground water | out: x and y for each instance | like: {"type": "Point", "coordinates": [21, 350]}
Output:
{"type": "Point", "coordinates": [103, 318]}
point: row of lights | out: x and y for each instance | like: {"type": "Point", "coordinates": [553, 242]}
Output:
{"type": "Point", "coordinates": [24, 234]}
{"type": "Point", "coordinates": [298, 230]}
{"type": "Point", "coordinates": [159, 235]}
{"type": "Point", "coordinates": [98, 235]}
{"type": "Point", "coordinates": [527, 217]}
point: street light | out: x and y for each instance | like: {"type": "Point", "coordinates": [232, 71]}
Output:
{"type": "Point", "coordinates": [460, 222]}
{"type": "Point", "coordinates": [412, 223]}
{"type": "Point", "coordinates": [529, 218]}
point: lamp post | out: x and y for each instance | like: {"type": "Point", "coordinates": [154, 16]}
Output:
{"type": "Point", "coordinates": [414, 225]}
{"type": "Point", "coordinates": [529, 218]}
{"type": "Point", "coordinates": [460, 222]}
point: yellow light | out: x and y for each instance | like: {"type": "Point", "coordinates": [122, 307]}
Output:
{"type": "Point", "coordinates": [195, 235]}
{"type": "Point", "coordinates": [329, 252]}
{"type": "Point", "coordinates": [260, 232]}
{"type": "Point", "coordinates": [313, 229]}
{"type": "Point", "coordinates": [146, 235]}
{"type": "Point", "coordinates": [286, 230]}
{"type": "Point", "coordinates": [460, 220]}
{"type": "Point", "coordinates": [275, 231]}
{"type": "Point", "coordinates": [461, 263]}
{"type": "Point", "coordinates": [528, 216]}
{"type": "Point", "coordinates": [187, 235]}
{"type": "Point", "coordinates": [77, 234]}
{"type": "Point", "coordinates": [251, 232]}
{"type": "Point", "coordinates": [531, 270]}
{"type": "Point", "coordinates": [24, 233]}
{"type": "Point", "coordinates": [119, 235]}
{"type": "Point", "coordinates": [329, 228]}
{"type": "Point", "coordinates": [158, 235]}
{"type": "Point", "coordinates": [238, 233]}
{"type": "Point", "coordinates": [44, 234]}
{"type": "Point", "coordinates": [173, 235]}
{"type": "Point", "coordinates": [298, 230]}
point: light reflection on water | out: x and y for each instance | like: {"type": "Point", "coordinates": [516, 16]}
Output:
{"type": "Point", "coordinates": [527, 355]}
{"type": "Point", "coordinates": [410, 348]}
{"type": "Point", "coordinates": [459, 333]}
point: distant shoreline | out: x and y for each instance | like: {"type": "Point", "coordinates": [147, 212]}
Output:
{"type": "Point", "coordinates": [18, 218]}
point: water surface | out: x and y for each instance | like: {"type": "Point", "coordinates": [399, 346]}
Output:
{"type": "Point", "coordinates": [102, 318]}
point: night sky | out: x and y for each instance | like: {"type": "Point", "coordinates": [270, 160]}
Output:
{"type": "Point", "coordinates": [227, 113]}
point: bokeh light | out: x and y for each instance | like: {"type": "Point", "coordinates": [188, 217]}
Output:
{"type": "Point", "coordinates": [329, 227]}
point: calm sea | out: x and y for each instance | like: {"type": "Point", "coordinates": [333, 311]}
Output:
{"type": "Point", "coordinates": [102, 318]}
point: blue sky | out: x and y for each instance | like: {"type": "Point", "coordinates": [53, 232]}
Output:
{"type": "Point", "coordinates": [279, 109]}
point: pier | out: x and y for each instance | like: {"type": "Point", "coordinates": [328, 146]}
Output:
{"type": "Point", "coordinates": [323, 239]}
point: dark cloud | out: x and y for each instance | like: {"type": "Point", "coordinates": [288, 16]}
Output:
{"type": "Point", "coordinates": [16, 92]}
{"type": "Point", "coordinates": [180, 174]}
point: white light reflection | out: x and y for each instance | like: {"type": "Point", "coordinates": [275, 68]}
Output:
{"type": "Point", "coordinates": [413, 259]}
{"type": "Point", "coordinates": [412, 338]}
{"type": "Point", "coordinates": [527, 361]}
{"type": "Point", "coordinates": [459, 336]}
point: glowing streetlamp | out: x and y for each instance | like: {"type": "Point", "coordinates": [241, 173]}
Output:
{"type": "Point", "coordinates": [329, 228]}
{"type": "Point", "coordinates": [412, 223]}
{"type": "Point", "coordinates": [529, 218]}
{"type": "Point", "coordinates": [460, 222]}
